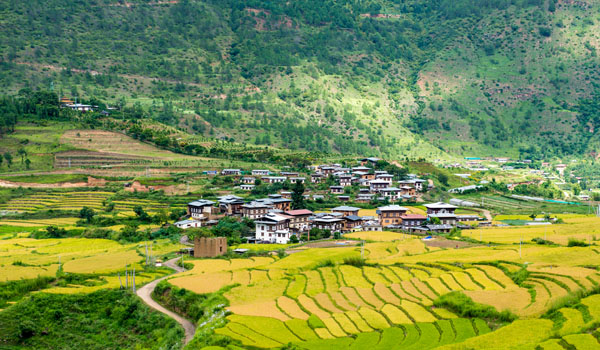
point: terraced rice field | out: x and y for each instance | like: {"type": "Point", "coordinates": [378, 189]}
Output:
{"type": "Point", "coordinates": [579, 227]}
{"type": "Point", "coordinates": [75, 201]}
{"type": "Point", "coordinates": [28, 258]}
{"type": "Point", "coordinates": [388, 303]}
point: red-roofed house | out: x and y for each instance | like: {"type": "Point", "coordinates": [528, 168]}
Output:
{"type": "Point", "coordinates": [299, 219]}
{"type": "Point", "coordinates": [412, 220]}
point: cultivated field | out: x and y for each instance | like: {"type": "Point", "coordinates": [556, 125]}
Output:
{"type": "Point", "coordinates": [316, 300]}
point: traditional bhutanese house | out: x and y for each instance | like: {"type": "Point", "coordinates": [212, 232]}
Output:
{"type": "Point", "coordinates": [385, 177]}
{"type": "Point", "coordinates": [189, 223]}
{"type": "Point", "coordinates": [365, 197]}
{"type": "Point", "coordinates": [273, 228]}
{"type": "Point", "coordinates": [391, 193]}
{"type": "Point", "coordinates": [327, 222]}
{"type": "Point", "coordinates": [445, 218]}
{"type": "Point", "coordinates": [316, 178]}
{"type": "Point", "coordinates": [431, 229]}
{"type": "Point", "coordinates": [467, 218]}
{"type": "Point", "coordinates": [286, 194]}
{"type": "Point", "coordinates": [343, 198]}
{"type": "Point", "coordinates": [289, 173]}
{"type": "Point", "coordinates": [299, 219]}
{"type": "Point", "coordinates": [326, 170]}
{"type": "Point", "coordinates": [247, 187]}
{"type": "Point", "coordinates": [407, 190]}
{"type": "Point", "coordinates": [230, 204]}
{"type": "Point", "coordinates": [231, 172]}
{"type": "Point", "coordinates": [352, 223]}
{"type": "Point", "coordinates": [372, 225]}
{"type": "Point", "coordinates": [368, 176]}
{"type": "Point", "coordinates": [391, 215]}
{"type": "Point", "coordinates": [361, 168]}
{"type": "Point", "coordinates": [260, 172]}
{"type": "Point", "coordinates": [297, 179]}
{"type": "Point", "coordinates": [255, 209]}
{"type": "Point", "coordinates": [412, 220]}
{"type": "Point", "coordinates": [273, 179]}
{"type": "Point", "coordinates": [200, 209]}
{"type": "Point", "coordinates": [440, 208]}
{"type": "Point", "coordinates": [345, 180]}
{"type": "Point", "coordinates": [279, 202]}
{"type": "Point", "coordinates": [377, 185]}
{"type": "Point", "coordinates": [369, 160]}
{"type": "Point", "coordinates": [345, 210]}
{"type": "Point", "coordinates": [248, 180]}
{"type": "Point", "coordinates": [336, 189]}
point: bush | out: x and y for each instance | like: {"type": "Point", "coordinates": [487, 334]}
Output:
{"type": "Point", "coordinates": [576, 243]}
{"type": "Point", "coordinates": [542, 241]}
{"type": "Point", "coordinates": [464, 306]}
{"type": "Point", "coordinates": [355, 261]}
{"type": "Point", "coordinates": [315, 322]}
{"type": "Point", "coordinates": [545, 31]}
{"type": "Point", "coordinates": [325, 263]}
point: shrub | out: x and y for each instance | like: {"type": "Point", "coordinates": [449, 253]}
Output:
{"type": "Point", "coordinates": [325, 263]}
{"type": "Point", "coordinates": [576, 243]}
{"type": "Point", "coordinates": [315, 322]}
{"type": "Point", "coordinates": [355, 261]}
{"type": "Point", "coordinates": [542, 241]}
{"type": "Point", "coordinates": [464, 306]}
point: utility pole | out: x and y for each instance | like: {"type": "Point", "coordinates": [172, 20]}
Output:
{"type": "Point", "coordinates": [362, 250]}
{"type": "Point", "coordinates": [120, 283]}
{"type": "Point", "coordinates": [134, 279]}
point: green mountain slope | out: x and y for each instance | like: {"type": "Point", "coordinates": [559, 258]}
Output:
{"type": "Point", "coordinates": [398, 78]}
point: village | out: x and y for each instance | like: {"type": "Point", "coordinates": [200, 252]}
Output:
{"type": "Point", "coordinates": [278, 221]}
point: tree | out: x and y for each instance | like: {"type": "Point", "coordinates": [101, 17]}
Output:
{"type": "Point", "coordinates": [141, 214]}
{"type": "Point", "coordinates": [8, 158]}
{"type": "Point", "coordinates": [27, 163]}
{"type": "Point", "coordinates": [199, 232]}
{"type": "Point", "coordinates": [22, 153]}
{"type": "Point", "coordinates": [294, 239]}
{"type": "Point", "coordinates": [298, 196]}
{"type": "Point", "coordinates": [87, 214]}
{"type": "Point", "coordinates": [55, 232]}
{"type": "Point", "coordinates": [443, 178]}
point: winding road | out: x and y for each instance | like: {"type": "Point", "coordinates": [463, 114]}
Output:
{"type": "Point", "coordinates": [146, 294]}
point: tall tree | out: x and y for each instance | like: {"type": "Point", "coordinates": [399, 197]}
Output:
{"type": "Point", "coordinates": [298, 195]}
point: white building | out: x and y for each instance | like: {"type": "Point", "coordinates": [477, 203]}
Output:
{"type": "Point", "coordinates": [273, 228]}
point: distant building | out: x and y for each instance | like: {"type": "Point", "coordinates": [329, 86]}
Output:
{"type": "Point", "coordinates": [336, 189]}
{"type": "Point", "coordinates": [273, 228]}
{"type": "Point", "coordinates": [260, 172]}
{"type": "Point", "coordinates": [209, 247]}
{"type": "Point", "coordinates": [255, 210]}
{"type": "Point", "coordinates": [189, 223]}
{"type": "Point", "coordinates": [231, 172]}
{"type": "Point", "coordinates": [391, 215]}
{"type": "Point", "coordinates": [440, 208]}
{"type": "Point", "coordinates": [299, 219]}
{"type": "Point", "coordinates": [247, 187]}
{"type": "Point", "coordinates": [274, 179]}
{"type": "Point", "coordinates": [391, 193]}
{"type": "Point", "coordinates": [377, 185]}
{"type": "Point", "coordinates": [248, 180]}
{"type": "Point", "coordinates": [412, 220]}
{"type": "Point", "coordinates": [328, 222]}
{"type": "Point", "coordinates": [230, 204]}
{"type": "Point", "coordinates": [200, 209]}
{"type": "Point", "coordinates": [346, 210]}
{"type": "Point", "coordinates": [316, 178]}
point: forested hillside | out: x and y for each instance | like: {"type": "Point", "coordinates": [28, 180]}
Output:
{"type": "Point", "coordinates": [396, 78]}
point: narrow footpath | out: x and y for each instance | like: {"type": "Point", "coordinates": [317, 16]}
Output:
{"type": "Point", "coordinates": [146, 294]}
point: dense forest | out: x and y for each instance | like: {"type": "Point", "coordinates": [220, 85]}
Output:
{"type": "Point", "coordinates": [383, 77]}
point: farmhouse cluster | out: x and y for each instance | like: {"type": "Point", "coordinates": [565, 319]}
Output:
{"type": "Point", "coordinates": [277, 221]}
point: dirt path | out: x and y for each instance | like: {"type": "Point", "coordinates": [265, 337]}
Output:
{"type": "Point", "coordinates": [146, 294]}
{"type": "Point", "coordinates": [487, 214]}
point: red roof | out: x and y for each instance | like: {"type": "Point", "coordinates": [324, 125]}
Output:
{"type": "Point", "coordinates": [299, 212]}
{"type": "Point", "coordinates": [412, 216]}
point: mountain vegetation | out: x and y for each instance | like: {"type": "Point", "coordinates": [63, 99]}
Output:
{"type": "Point", "coordinates": [397, 78]}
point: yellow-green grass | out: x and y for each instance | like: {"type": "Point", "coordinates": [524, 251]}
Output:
{"type": "Point", "coordinates": [481, 278]}
{"type": "Point", "coordinates": [380, 250]}
{"type": "Point", "coordinates": [519, 334]}
{"type": "Point", "coordinates": [417, 312]}
{"type": "Point", "coordinates": [381, 236]}
{"type": "Point", "coordinates": [593, 304]}
{"type": "Point", "coordinates": [266, 309]}
{"type": "Point", "coordinates": [296, 286]}
{"type": "Point", "coordinates": [582, 341]}
{"type": "Point", "coordinates": [373, 318]}
{"type": "Point", "coordinates": [325, 302]}
{"type": "Point", "coordinates": [385, 294]}
{"type": "Point", "coordinates": [310, 306]}
{"type": "Point", "coordinates": [265, 291]}
{"type": "Point", "coordinates": [369, 297]}
{"type": "Point", "coordinates": [359, 321]}
{"type": "Point", "coordinates": [374, 275]}
{"type": "Point", "coordinates": [261, 247]}
{"type": "Point", "coordinates": [334, 327]}
{"type": "Point", "coordinates": [399, 291]}
{"type": "Point", "coordinates": [353, 277]}
{"type": "Point", "coordinates": [573, 321]}
{"type": "Point", "coordinates": [308, 258]}
{"type": "Point", "coordinates": [301, 329]}
{"type": "Point", "coordinates": [344, 322]}
{"type": "Point", "coordinates": [314, 284]}
{"type": "Point", "coordinates": [111, 281]}
{"type": "Point", "coordinates": [395, 315]}
{"type": "Point", "coordinates": [291, 308]}
{"type": "Point", "coordinates": [515, 300]}
{"type": "Point", "coordinates": [205, 283]}
{"type": "Point", "coordinates": [330, 278]}
{"type": "Point", "coordinates": [581, 228]}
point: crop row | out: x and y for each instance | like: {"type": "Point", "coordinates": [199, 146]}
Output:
{"type": "Point", "coordinates": [263, 332]}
